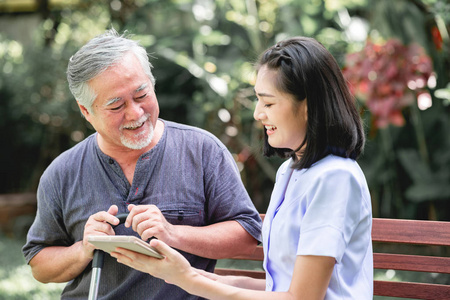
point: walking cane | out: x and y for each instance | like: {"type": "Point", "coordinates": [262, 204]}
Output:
{"type": "Point", "coordinates": [97, 264]}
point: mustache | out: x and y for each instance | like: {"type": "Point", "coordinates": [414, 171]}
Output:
{"type": "Point", "coordinates": [137, 123]}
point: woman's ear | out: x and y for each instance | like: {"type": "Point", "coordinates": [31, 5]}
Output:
{"type": "Point", "coordinates": [306, 110]}
{"type": "Point", "coordinates": [303, 109]}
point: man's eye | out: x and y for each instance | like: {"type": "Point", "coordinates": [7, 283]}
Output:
{"type": "Point", "coordinates": [268, 105]}
{"type": "Point", "coordinates": [117, 108]}
{"type": "Point", "coordinates": [142, 97]}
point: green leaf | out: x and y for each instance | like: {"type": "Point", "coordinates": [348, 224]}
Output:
{"type": "Point", "coordinates": [426, 191]}
{"type": "Point", "coordinates": [413, 164]}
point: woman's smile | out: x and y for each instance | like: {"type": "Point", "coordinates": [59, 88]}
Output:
{"type": "Point", "coordinates": [270, 129]}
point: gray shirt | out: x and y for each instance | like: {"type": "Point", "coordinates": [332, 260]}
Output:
{"type": "Point", "coordinates": [189, 175]}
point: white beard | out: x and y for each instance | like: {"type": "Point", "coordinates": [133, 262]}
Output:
{"type": "Point", "coordinates": [140, 141]}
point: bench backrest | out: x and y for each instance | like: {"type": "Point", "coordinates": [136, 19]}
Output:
{"type": "Point", "coordinates": [387, 231]}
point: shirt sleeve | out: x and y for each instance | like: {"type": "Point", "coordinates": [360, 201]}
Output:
{"type": "Point", "coordinates": [48, 228]}
{"type": "Point", "coordinates": [333, 213]}
{"type": "Point", "coordinates": [226, 195]}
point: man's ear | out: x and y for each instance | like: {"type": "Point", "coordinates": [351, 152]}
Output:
{"type": "Point", "coordinates": [84, 111]}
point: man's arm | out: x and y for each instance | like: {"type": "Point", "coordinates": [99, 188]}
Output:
{"type": "Point", "coordinates": [61, 264]}
{"type": "Point", "coordinates": [221, 240]}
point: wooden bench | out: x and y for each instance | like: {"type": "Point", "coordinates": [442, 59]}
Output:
{"type": "Point", "coordinates": [385, 232]}
{"type": "Point", "coordinates": [17, 212]}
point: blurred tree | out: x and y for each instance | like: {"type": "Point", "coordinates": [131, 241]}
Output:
{"type": "Point", "coordinates": [203, 53]}
{"type": "Point", "coordinates": [408, 163]}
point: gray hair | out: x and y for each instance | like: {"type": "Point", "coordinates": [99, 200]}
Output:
{"type": "Point", "coordinates": [95, 57]}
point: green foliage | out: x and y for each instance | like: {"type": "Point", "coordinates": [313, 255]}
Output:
{"type": "Point", "coordinates": [407, 167]}
{"type": "Point", "coordinates": [203, 53]}
{"type": "Point", "coordinates": [16, 281]}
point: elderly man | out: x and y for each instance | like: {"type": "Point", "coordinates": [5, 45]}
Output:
{"type": "Point", "coordinates": [179, 183]}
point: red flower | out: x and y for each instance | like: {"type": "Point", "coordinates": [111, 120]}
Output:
{"type": "Point", "coordinates": [387, 78]}
{"type": "Point", "coordinates": [437, 37]}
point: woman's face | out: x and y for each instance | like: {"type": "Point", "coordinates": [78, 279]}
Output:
{"type": "Point", "coordinates": [283, 118]}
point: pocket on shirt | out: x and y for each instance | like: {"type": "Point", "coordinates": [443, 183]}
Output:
{"type": "Point", "coordinates": [184, 216]}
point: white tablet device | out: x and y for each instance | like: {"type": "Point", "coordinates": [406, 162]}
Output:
{"type": "Point", "coordinates": [109, 243]}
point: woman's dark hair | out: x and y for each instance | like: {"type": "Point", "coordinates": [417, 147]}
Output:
{"type": "Point", "coordinates": [306, 70]}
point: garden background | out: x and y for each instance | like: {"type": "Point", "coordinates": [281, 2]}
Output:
{"type": "Point", "coordinates": [395, 55]}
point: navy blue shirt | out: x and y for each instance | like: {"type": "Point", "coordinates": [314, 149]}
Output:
{"type": "Point", "coordinates": [189, 175]}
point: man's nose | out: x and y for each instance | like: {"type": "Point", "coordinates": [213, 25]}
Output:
{"type": "Point", "coordinates": [134, 111]}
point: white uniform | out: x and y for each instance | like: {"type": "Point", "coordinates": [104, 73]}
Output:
{"type": "Point", "coordinates": [325, 211]}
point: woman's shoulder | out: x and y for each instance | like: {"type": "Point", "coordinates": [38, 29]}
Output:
{"type": "Point", "coordinates": [337, 167]}
{"type": "Point", "coordinates": [336, 163]}
{"type": "Point", "coordinates": [326, 166]}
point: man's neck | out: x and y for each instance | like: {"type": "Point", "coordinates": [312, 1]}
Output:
{"type": "Point", "coordinates": [127, 156]}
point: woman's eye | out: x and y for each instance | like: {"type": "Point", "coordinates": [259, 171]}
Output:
{"type": "Point", "coordinates": [267, 105]}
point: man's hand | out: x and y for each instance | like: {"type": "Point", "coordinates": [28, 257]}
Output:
{"type": "Point", "coordinates": [148, 221]}
{"type": "Point", "coordinates": [99, 224]}
{"type": "Point", "coordinates": [215, 241]}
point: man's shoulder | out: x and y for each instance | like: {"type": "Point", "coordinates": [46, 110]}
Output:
{"type": "Point", "coordinates": [75, 154]}
{"type": "Point", "coordinates": [191, 133]}
{"type": "Point", "coordinates": [171, 125]}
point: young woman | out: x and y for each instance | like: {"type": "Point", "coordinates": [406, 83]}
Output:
{"type": "Point", "coordinates": [317, 229]}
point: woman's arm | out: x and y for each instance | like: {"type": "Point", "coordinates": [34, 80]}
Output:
{"type": "Point", "coordinates": [310, 279]}
{"type": "Point", "coordinates": [244, 282]}
{"type": "Point", "coordinates": [311, 276]}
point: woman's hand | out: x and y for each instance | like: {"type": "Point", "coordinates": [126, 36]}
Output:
{"type": "Point", "coordinates": [173, 268]}
{"type": "Point", "coordinates": [229, 280]}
